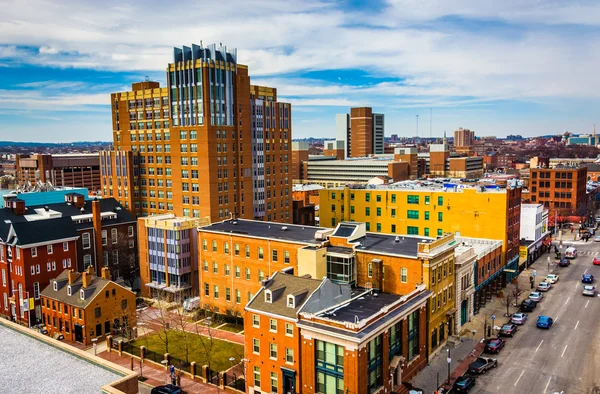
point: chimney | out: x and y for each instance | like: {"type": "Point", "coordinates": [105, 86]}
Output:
{"type": "Point", "coordinates": [97, 223]}
{"type": "Point", "coordinates": [90, 270]}
{"type": "Point", "coordinates": [86, 280]}
{"type": "Point", "coordinates": [18, 207]}
{"type": "Point", "coordinates": [105, 273]}
{"type": "Point", "coordinates": [377, 271]}
{"type": "Point", "coordinates": [73, 276]}
{"type": "Point", "coordinates": [78, 200]}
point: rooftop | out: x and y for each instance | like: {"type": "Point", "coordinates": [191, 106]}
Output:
{"type": "Point", "coordinates": [266, 230]}
{"type": "Point", "coordinates": [438, 185]}
{"type": "Point", "coordinates": [29, 375]}
{"type": "Point", "coordinates": [389, 244]}
{"type": "Point", "coordinates": [481, 246]}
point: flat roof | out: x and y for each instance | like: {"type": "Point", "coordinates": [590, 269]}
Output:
{"type": "Point", "coordinates": [36, 367]}
{"type": "Point", "coordinates": [363, 307]}
{"type": "Point", "coordinates": [406, 245]}
{"type": "Point", "coordinates": [270, 230]}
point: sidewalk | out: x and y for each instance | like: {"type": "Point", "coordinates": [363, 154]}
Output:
{"type": "Point", "coordinates": [157, 375]}
{"type": "Point", "coordinates": [471, 346]}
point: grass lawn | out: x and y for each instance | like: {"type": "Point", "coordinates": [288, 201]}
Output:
{"type": "Point", "coordinates": [221, 350]}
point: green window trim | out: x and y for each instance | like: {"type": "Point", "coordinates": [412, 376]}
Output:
{"type": "Point", "coordinates": [412, 230]}
{"type": "Point", "coordinates": [426, 215]}
{"type": "Point", "coordinates": [378, 211]}
{"type": "Point", "coordinates": [411, 214]}
{"type": "Point", "coordinates": [411, 199]}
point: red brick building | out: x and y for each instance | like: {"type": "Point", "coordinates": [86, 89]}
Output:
{"type": "Point", "coordinates": [333, 338]}
{"type": "Point", "coordinates": [38, 242]}
{"type": "Point", "coordinates": [562, 190]}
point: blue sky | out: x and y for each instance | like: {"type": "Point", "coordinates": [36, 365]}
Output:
{"type": "Point", "coordinates": [525, 67]}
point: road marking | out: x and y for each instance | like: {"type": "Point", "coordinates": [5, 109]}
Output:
{"type": "Point", "coordinates": [586, 304]}
{"type": "Point", "coordinates": [520, 376]}
{"type": "Point", "coordinates": [547, 384]}
{"type": "Point", "coordinates": [538, 348]}
{"type": "Point", "coordinates": [585, 272]}
{"type": "Point", "coordinates": [568, 298]}
{"type": "Point", "coordinates": [576, 286]}
{"type": "Point", "coordinates": [576, 325]}
{"type": "Point", "coordinates": [564, 350]}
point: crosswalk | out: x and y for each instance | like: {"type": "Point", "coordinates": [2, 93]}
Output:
{"type": "Point", "coordinates": [587, 253]}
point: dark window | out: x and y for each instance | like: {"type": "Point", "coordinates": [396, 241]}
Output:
{"type": "Point", "coordinates": [413, 335]}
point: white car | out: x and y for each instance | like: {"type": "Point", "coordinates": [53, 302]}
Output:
{"type": "Point", "coordinates": [597, 238]}
{"type": "Point", "coordinates": [589, 291]}
{"type": "Point", "coordinates": [544, 286]}
{"type": "Point", "coordinates": [551, 278]}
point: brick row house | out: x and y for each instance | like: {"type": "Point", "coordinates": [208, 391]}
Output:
{"type": "Point", "coordinates": [83, 306]}
{"type": "Point", "coordinates": [316, 336]}
{"type": "Point", "coordinates": [38, 242]}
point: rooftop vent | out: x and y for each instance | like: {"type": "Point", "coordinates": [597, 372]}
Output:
{"type": "Point", "coordinates": [82, 210]}
{"type": "Point", "coordinates": [46, 208]}
{"type": "Point", "coordinates": [397, 239]}
{"type": "Point", "coordinates": [284, 228]}
{"type": "Point", "coordinates": [234, 223]}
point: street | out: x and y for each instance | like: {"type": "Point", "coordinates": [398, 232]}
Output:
{"type": "Point", "coordinates": [565, 358]}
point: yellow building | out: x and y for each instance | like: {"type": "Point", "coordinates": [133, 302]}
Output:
{"type": "Point", "coordinates": [431, 211]}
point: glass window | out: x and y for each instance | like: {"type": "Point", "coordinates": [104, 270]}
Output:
{"type": "Point", "coordinates": [341, 269]}
{"type": "Point", "coordinates": [393, 198]}
{"type": "Point", "coordinates": [256, 345]}
{"type": "Point", "coordinates": [395, 338]}
{"type": "Point", "coordinates": [378, 198]}
{"type": "Point", "coordinates": [273, 350]}
{"type": "Point", "coordinates": [426, 215]}
{"type": "Point", "coordinates": [375, 353]}
{"type": "Point", "coordinates": [403, 275]}
{"type": "Point", "coordinates": [378, 211]}
{"type": "Point", "coordinates": [367, 197]}
{"type": "Point", "coordinates": [413, 335]}
{"type": "Point", "coordinates": [440, 200]}
{"type": "Point", "coordinates": [289, 329]}
{"type": "Point", "coordinates": [411, 214]}
{"type": "Point", "coordinates": [330, 368]}
{"type": "Point", "coordinates": [367, 211]}
{"type": "Point", "coordinates": [257, 376]}
{"type": "Point", "coordinates": [426, 200]}
{"type": "Point", "coordinates": [440, 216]}
{"type": "Point", "coordinates": [274, 385]}
{"type": "Point", "coordinates": [411, 230]}
{"type": "Point", "coordinates": [412, 199]}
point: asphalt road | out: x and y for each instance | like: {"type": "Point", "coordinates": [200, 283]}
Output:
{"type": "Point", "coordinates": [565, 358]}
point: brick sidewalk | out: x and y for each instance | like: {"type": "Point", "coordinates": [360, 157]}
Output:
{"type": "Point", "coordinates": [157, 376]}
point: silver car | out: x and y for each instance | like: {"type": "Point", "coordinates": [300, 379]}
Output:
{"type": "Point", "coordinates": [536, 296]}
{"type": "Point", "coordinates": [519, 318]}
{"type": "Point", "coordinates": [589, 291]}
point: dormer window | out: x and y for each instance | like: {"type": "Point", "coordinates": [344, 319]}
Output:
{"type": "Point", "coordinates": [268, 296]}
{"type": "Point", "coordinates": [55, 286]}
{"type": "Point", "coordinates": [82, 294]}
{"type": "Point", "coordinates": [291, 301]}
{"type": "Point", "coordinates": [69, 290]}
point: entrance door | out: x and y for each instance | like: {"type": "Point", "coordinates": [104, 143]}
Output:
{"type": "Point", "coordinates": [463, 312]}
{"type": "Point", "coordinates": [78, 333]}
{"type": "Point", "coordinates": [289, 384]}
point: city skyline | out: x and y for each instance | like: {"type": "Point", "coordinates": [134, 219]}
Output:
{"type": "Point", "coordinates": [498, 70]}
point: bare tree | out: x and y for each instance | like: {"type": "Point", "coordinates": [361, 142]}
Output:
{"type": "Point", "coordinates": [123, 258]}
{"type": "Point", "coordinates": [162, 319]}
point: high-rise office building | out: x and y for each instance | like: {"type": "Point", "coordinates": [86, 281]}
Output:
{"type": "Point", "coordinates": [209, 144]}
{"type": "Point", "coordinates": [361, 132]}
{"type": "Point", "coordinates": [464, 137]}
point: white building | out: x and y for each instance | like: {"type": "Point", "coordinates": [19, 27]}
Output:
{"type": "Point", "coordinates": [534, 229]}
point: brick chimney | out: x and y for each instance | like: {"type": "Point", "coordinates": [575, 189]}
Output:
{"type": "Point", "coordinates": [78, 200]}
{"type": "Point", "coordinates": [73, 276]}
{"type": "Point", "coordinates": [97, 223]}
{"type": "Point", "coordinates": [90, 270]}
{"type": "Point", "coordinates": [18, 207]}
{"type": "Point", "coordinates": [105, 273]}
{"type": "Point", "coordinates": [86, 280]}
{"type": "Point", "coordinates": [377, 274]}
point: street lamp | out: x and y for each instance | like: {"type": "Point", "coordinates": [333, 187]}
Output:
{"type": "Point", "coordinates": [94, 340]}
{"type": "Point", "coordinates": [165, 362]}
{"type": "Point", "coordinates": [21, 309]}
{"type": "Point", "coordinates": [449, 359]}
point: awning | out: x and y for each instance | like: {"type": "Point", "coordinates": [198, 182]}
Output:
{"type": "Point", "coordinates": [510, 271]}
{"type": "Point", "coordinates": [396, 360]}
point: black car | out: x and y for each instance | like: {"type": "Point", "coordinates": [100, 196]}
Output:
{"type": "Point", "coordinates": [166, 389]}
{"type": "Point", "coordinates": [528, 305]}
{"type": "Point", "coordinates": [494, 345]}
{"type": "Point", "coordinates": [463, 384]}
{"type": "Point", "coordinates": [508, 330]}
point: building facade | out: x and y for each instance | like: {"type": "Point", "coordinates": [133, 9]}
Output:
{"type": "Point", "coordinates": [360, 133]}
{"type": "Point", "coordinates": [209, 144]}
{"type": "Point", "coordinates": [83, 306]}
{"type": "Point", "coordinates": [490, 213]}
{"type": "Point", "coordinates": [168, 256]}
{"type": "Point", "coordinates": [464, 137]}
{"type": "Point", "coordinates": [562, 190]}
{"type": "Point", "coordinates": [72, 170]}
{"type": "Point", "coordinates": [321, 351]}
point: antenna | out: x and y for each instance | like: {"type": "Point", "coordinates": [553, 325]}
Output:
{"type": "Point", "coordinates": [417, 126]}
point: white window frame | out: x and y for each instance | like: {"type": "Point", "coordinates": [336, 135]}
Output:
{"type": "Point", "coordinates": [268, 297]}
{"type": "Point", "coordinates": [289, 329]}
{"type": "Point", "coordinates": [36, 290]}
{"type": "Point", "coordinates": [37, 269]}
{"type": "Point", "coordinates": [104, 238]}
{"type": "Point", "coordinates": [54, 266]}
{"type": "Point", "coordinates": [89, 258]}
{"type": "Point", "coordinates": [287, 354]}
{"type": "Point", "coordinates": [255, 343]}
{"type": "Point", "coordinates": [273, 349]}
{"type": "Point", "coordinates": [291, 301]}
{"type": "Point", "coordinates": [403, 275]}
{"type": "Point", "coordinates": [49, 249]}
{"type": "Point", "coordinates": [85, 239]}
{"type": "Point", "coordinates": [34, 252]}
{"type": "Point", "coordinates": [65, 246]}
{"type": "Point", "coordinates": [130, 231]}
{"type": "Point", "coordinates": [271, 323]}
{"type": "Point", "coordinates": [114, 235]}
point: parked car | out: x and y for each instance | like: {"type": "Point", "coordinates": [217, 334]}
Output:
{"type": "Point", "coordinates": [508, 330]}
{"type": "Point", "coordinates": [536, 296]}
{"type": "Point", "coordinates": [519, 318]}
{"type": "Point", "coordinates": [551, 278]}
{"type": "Point", "coordinates": [544, 322]}
{"type": "Point", "coordinates": [564, 262]}
{"type": "Point", "coordinates": [589, 291]}
{"type": "Point", "coordinates": [596, 261]}
{"type": "Point", "coordinates": [494, 345]}
{"type": "Point", "coordinates": [597, 238]}
{"type": "Point", "coordinates": [528, 305]}
{"type": "Point", "coordinates": [166, 389]}
{"type": "Point", "coordinates": [463, 384]}
{"type": "Point", "coordinates": [482, 364]}
{"type": "Point", "coordinates": [544, 286]}
{"type": "Point", "coordinates": [587, 278]}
